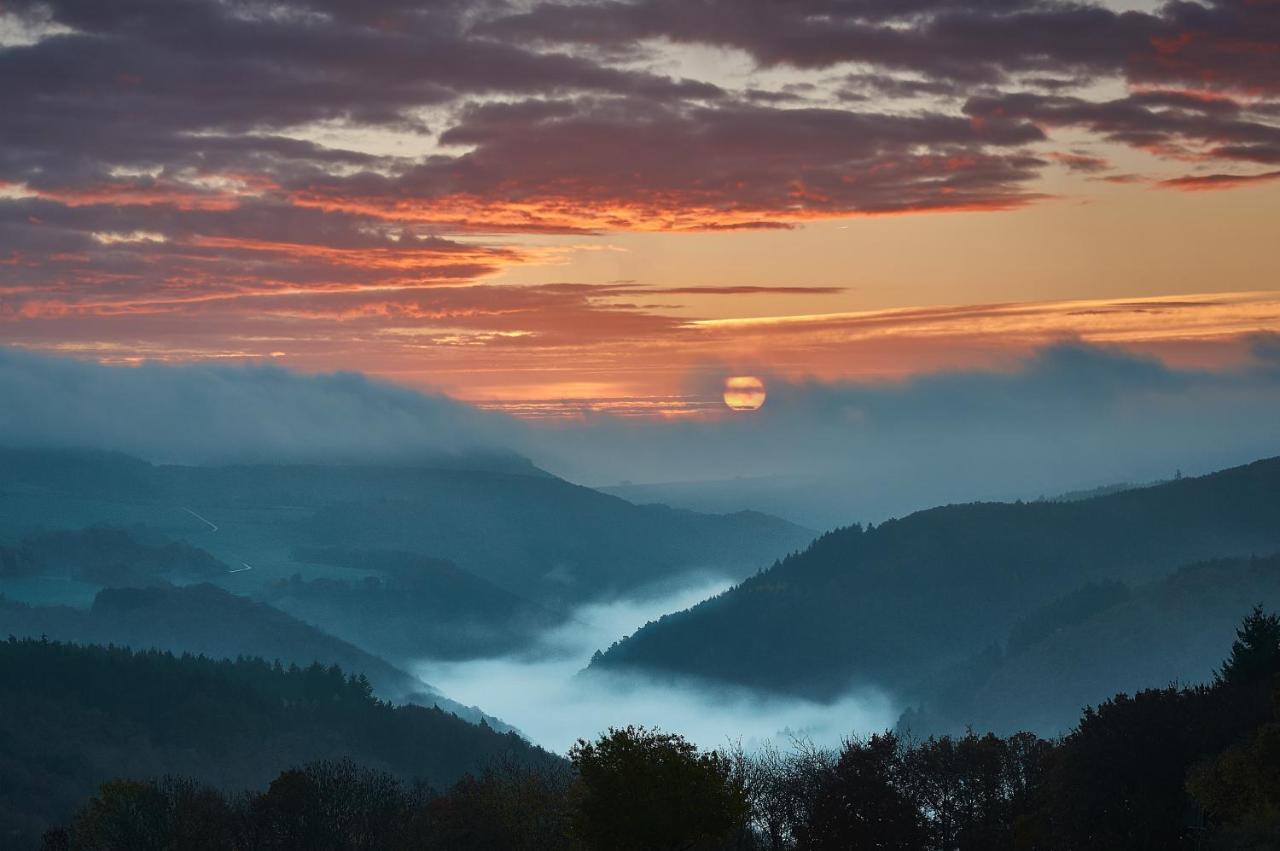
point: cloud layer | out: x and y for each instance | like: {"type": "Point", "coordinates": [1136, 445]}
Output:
{"type": "Point", "coordinates": [222, 414]}
{"type": "Point", "coordinates": [176, 170]}
{"type": "Point", "coordinates": [823, 453]}
{"type": "Point", "coordinates": [829, 453]}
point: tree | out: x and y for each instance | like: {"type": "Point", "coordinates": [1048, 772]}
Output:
{"type": "Point", "coordinates": [961, 786]}
{"type": "Point", "coordinates": [330, 805]}
{"type": "Point", "coordinates": [1255, 654]}
{"type": "Point", "coordinates": [1240, 790]}
{"type": "Point", "coordinates": [125, 815]}
{"type": "Point", "coordinates": [865, 802]}
{"type": "Point", "coordinates": [782, 788]}
{"type": "Point", "coordinates": [510, 805]}
{"type": "Point", "coordinates": [200, 817]}
{"type": "Point", "coordinates": [643, 788]}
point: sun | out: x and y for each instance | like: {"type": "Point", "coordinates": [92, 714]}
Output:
{"type": "Point", "coordinates": [744, 392]}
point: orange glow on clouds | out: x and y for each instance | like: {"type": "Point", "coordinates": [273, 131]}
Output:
{"type": "Point", "coordinates": [553, 352]}
{"type": "Point", "coordinates": [673, 212]}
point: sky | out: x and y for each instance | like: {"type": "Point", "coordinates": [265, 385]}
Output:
{"type": "Point", "coordinates": [556, 207]}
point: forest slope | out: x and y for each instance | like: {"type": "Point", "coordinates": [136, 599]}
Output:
{"type": "Point", "coordinates": [892, 604]}
{"type": "Point", "coordinates": [72, 717]}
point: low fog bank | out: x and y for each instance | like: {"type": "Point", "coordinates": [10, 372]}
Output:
{"type": "Point", "coordinates": [546, 695]}
{"type": "Point", "coordinates": [218, 413]}
{"type": "Point", "coordinates": [1070, 417]}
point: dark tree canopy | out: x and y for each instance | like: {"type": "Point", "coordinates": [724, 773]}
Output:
{"type": "Point", "coordinates": [1194, 769]}
{"type": "Point", "coordinates": [866, 802]}
{"type": "Point", "coordinates": [639, 788]}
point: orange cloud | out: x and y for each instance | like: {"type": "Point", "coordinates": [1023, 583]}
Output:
{"type": "Point", "coordinates": [504, 343]}
{"type": "Point", "coordinates": [1208, 182]}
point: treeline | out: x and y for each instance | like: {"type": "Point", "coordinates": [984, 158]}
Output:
{"type": "Point", "coordinates": [72, 717]}
{"type": "Point", "coordinates": [194, 619]}
{"type": "Point", "coordinates": [1195, 768]}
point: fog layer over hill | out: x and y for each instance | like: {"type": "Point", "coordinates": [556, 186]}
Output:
{"type": "Point", "coordinates": [821, 454]}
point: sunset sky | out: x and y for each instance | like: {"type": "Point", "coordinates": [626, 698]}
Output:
{"type": "Point", "coordinates": [523, 202]}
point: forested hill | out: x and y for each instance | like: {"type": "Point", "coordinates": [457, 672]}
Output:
{"type": "Point", "coordinates": [201, 619]}
{"type": "Point", "coordinates": [416, 607]}
{"type": "Point", "coordinates": [534, 535]}
{"type": "Point", "coordinates": [1100, 639]}
{"type": "Point", "coordinates": [890, 604]}
{"type": "Point", "coordinates": [72, 717]}
{"type": "Point", "coordinates": [107, 556]}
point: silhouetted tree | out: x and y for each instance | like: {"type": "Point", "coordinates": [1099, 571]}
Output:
{"type": "Point", "coordinates": [510, 805]}
{"type": "Point", "coordinates": [865, 802]}
{"type": "Point", "coordinates": [1255, 654]}
{"type": "Point", "coordinates": [640, 788]}
{"type": "Point", "coordinates": [1239, 788]}
{"type": "Point", "coordinates": [782, 788]}
{"type": "Point", "coordinates": [1240, 792]}
{"type": "Point", "coordinates": [125, 815]}
{"type": "Point", "coordinates": [960, 787]}
{"type": "Point", "coordinates": [330, 805]}
{"type": "Point", "coordinates": [1027, 767]}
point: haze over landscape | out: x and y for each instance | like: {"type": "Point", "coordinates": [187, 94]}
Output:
{"type": "Point", "coordinates": [635, 424]}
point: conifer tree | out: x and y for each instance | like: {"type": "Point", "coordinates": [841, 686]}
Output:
{"type": "Point", "coordinates": [1255, 654]}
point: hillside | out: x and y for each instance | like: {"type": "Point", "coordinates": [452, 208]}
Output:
{"type": "Point", "coordinates": [204, 619]}
{"type": "Point", "coordinates": [1063, 657]}
{"type": "Point", "coordinates": [107, 556]}
{"type": "Point", "coordinates": [72, 717]}
{"type": "Point", "coordinates": [532, 534]}
{"type": "Point", "coordinates": [892, 604]}
{"type": "Point", "coordinates": [415, 607]}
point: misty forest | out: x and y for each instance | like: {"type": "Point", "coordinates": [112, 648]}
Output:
{"type": "Point", "coordinates": [639, 425]}
{"type": "Point", "coordinates": [467, 651]}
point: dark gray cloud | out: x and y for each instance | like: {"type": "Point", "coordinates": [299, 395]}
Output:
{"type": "Point", "coordinates": [572, 158]}
{"type": "Point", "coordinates": [1216, 43]}
{"type": "Point", "coordinates": [1175, 123]}
{"type": "Point", "coordinates": [958, 41]}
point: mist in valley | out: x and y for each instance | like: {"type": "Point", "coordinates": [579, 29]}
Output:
{"type": "Point", "coordinates": [546, 693]}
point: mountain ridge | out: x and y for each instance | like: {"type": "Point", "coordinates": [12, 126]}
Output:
{"type": "Point", "coordinates": [863, 606]}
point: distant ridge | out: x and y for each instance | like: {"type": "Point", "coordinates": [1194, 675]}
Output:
{"type": "Point", "coordinates": [889, 605]}
{"type": "Point", "coordinates": [531, 533]}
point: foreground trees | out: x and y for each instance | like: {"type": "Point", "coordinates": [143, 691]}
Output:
{"type": "Point", "coordinates": [639, 788]}
{"type": "Point", "coordinates": [864, 801]}
{"type": "Point", "coordinates": [1170, 768]}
